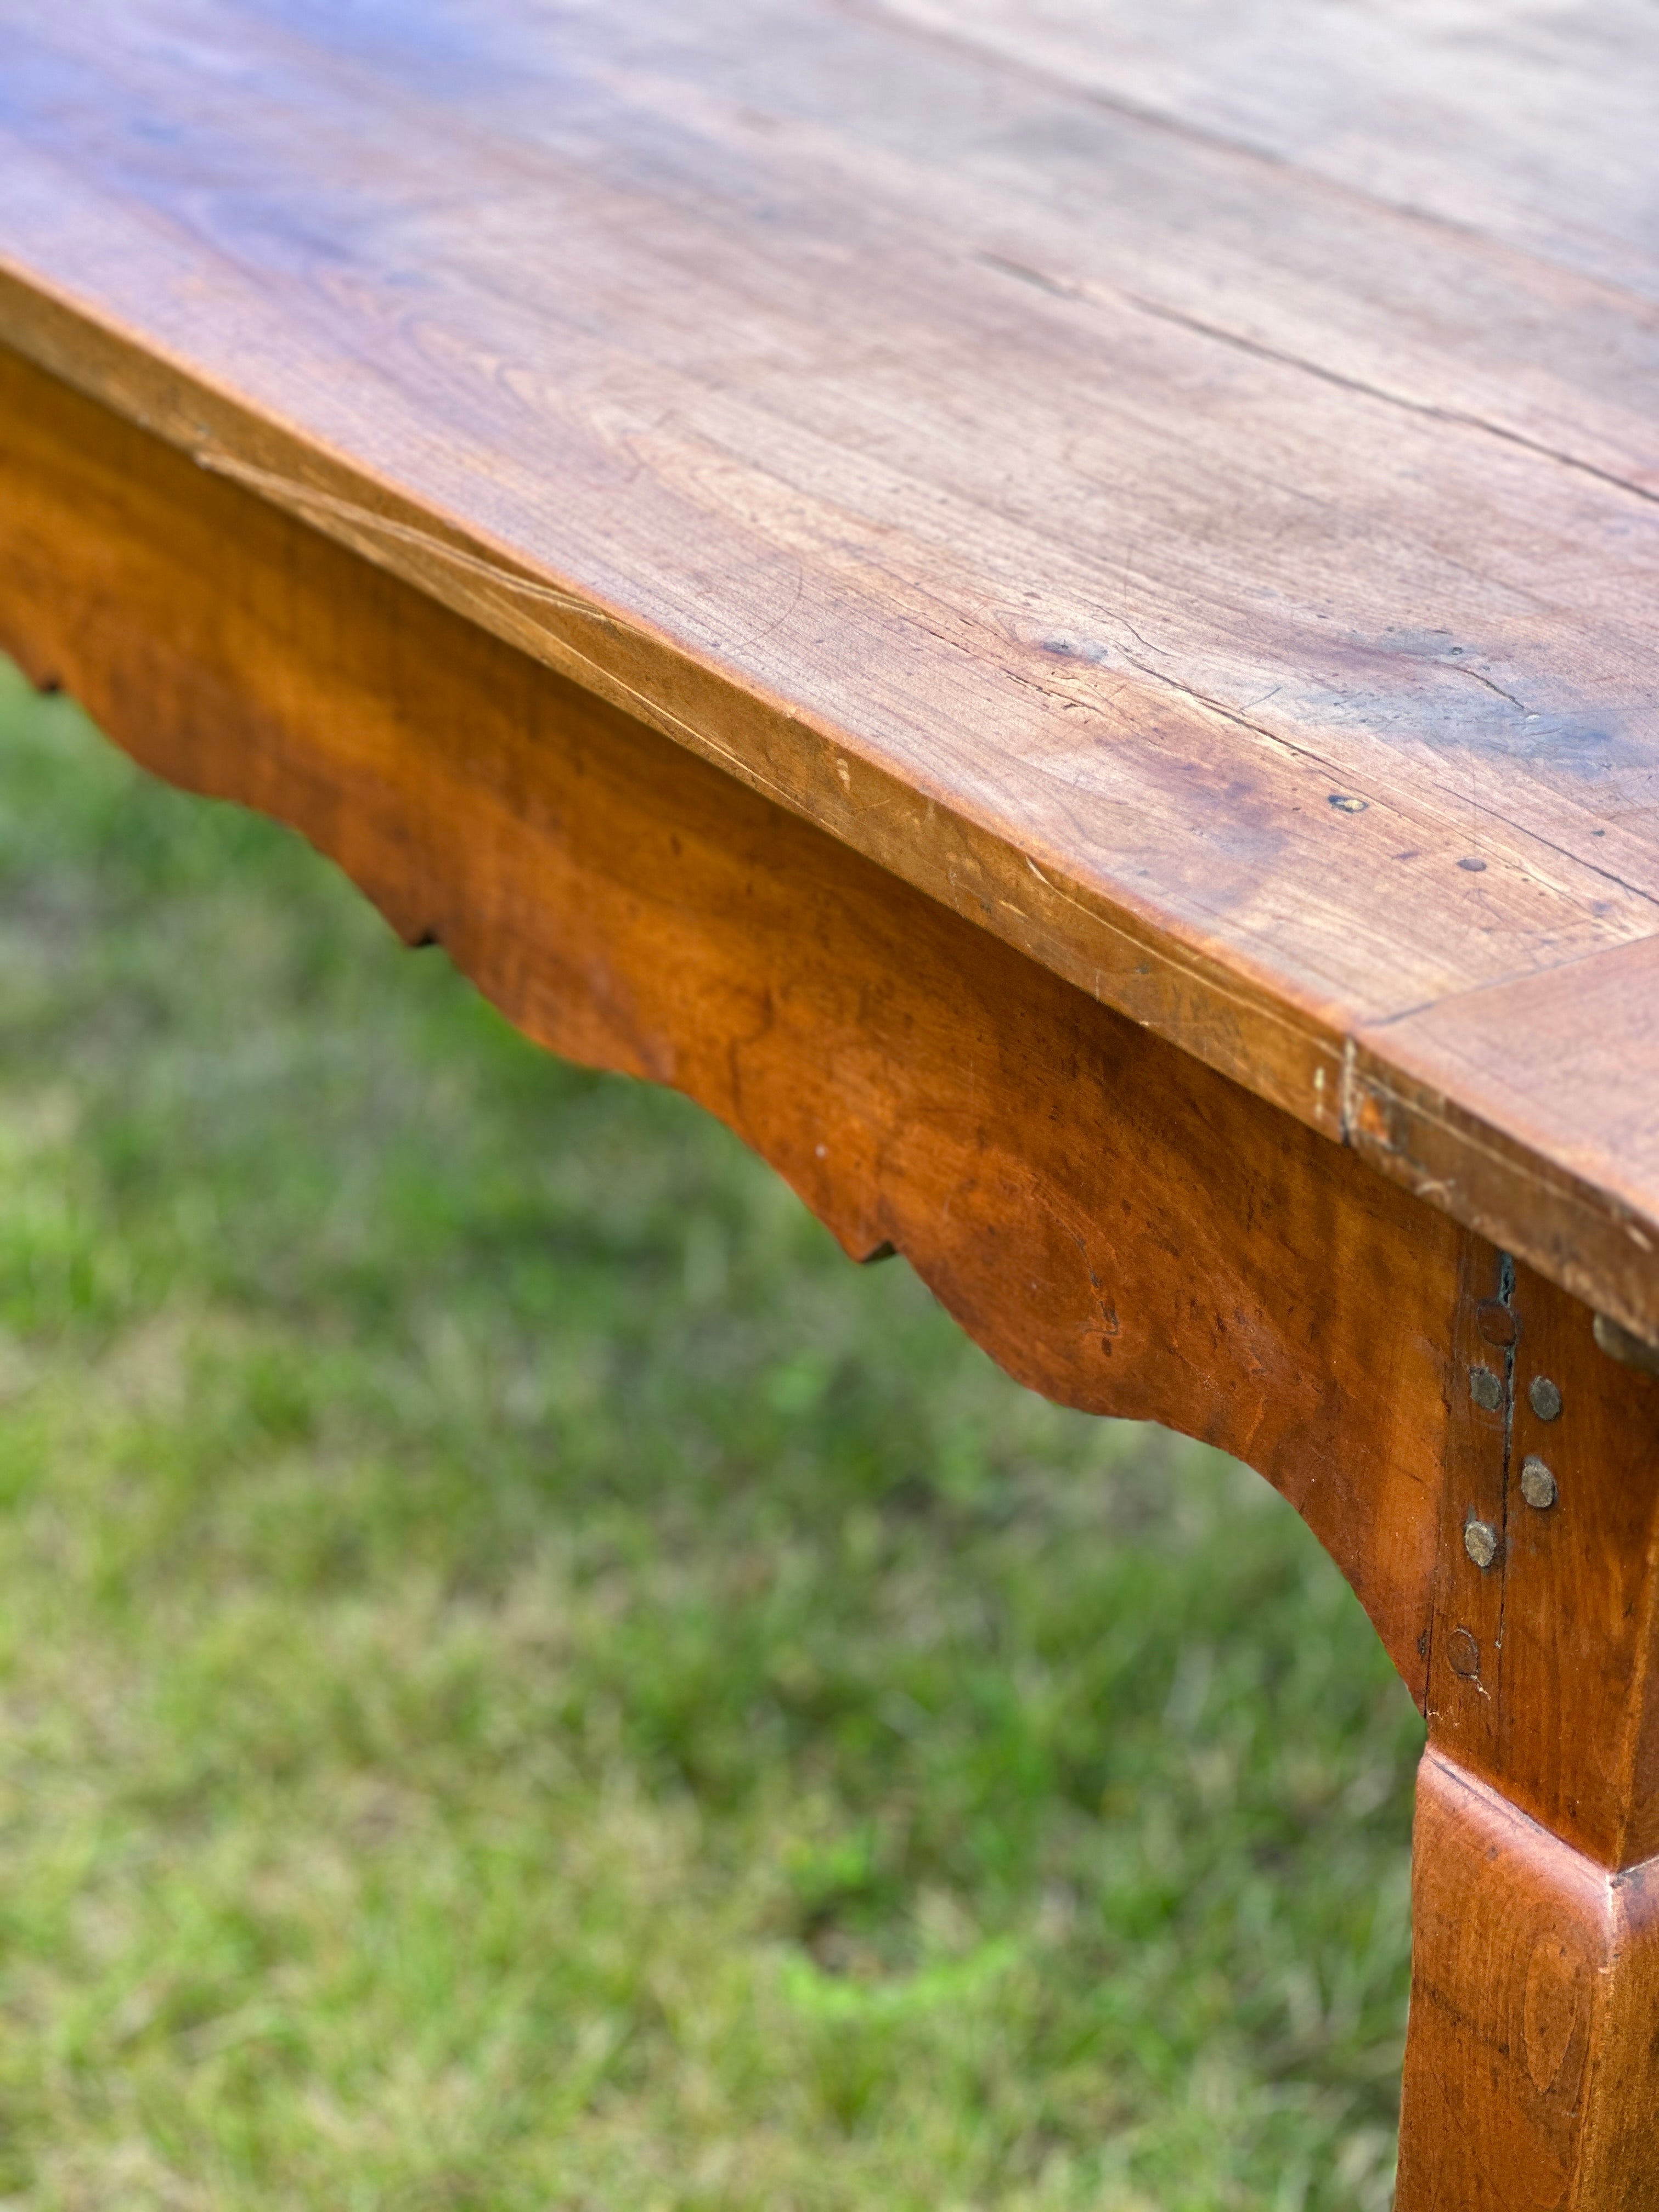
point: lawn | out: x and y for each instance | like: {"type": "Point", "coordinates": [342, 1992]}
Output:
{"type": "Point", "coordinates": [530, 1682]}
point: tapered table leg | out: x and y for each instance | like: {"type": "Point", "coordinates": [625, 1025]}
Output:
{"type": "Point", "coordinates": [1532, 2074]}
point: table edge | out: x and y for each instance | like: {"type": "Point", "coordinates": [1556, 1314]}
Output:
{"type": "Point", "coordinates": [1303, 1058]}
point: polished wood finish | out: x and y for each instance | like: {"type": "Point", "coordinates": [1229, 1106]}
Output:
{"type": "Point", "coordinates": [1120, 1226]}
{"type": "Point", "coordinates": [1530, 2071]}
{"type": "Point", "coordinates": [1059, 630]}
{"type": "Point", "coordinates": [1196, 519]}
{"type": "Point", "coordinates": [1544, 1674]}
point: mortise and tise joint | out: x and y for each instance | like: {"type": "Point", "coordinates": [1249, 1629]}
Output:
{"type": "Point", "coordinates": [1481, 1542]}
{"type": "Point", "coordinates": [1485, 1388]}
{"type": "Point", "coordinates": [1538, 1485]}
{"type": "Point", "coordinates": [1544, 1398]}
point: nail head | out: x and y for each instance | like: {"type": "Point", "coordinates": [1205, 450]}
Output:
{"type": "Point", "coordinates": [1481, 1542]}
{"type": "Point", "coordinates": [1538, 1485]}
{"type": "Point", "coordinates": [1485, 1388]}
{"type": "Point", "coordinates": [1544, 1398]}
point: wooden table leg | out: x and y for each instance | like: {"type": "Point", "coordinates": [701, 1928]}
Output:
{"type": "Point", "coordinates": [1532, 2073]}
{"type": "Point", "coordinates": [1532, 2069]}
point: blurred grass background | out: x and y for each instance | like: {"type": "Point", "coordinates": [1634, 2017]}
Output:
{"type": "Point", "coordinates": [528, 1681]}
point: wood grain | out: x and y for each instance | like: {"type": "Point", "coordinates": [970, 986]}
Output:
{"type": "Point", "coordinates": [1060, 509]}
{"type": "Point", "coordinates": [1544, 1673]}
{"type": "Point", "coordinates": [1530, 123]}
{"type": "Point", "coordinates": [1559, 1062]}
{"type": "Point", "coordinates": [1532, 2077]}
{"type": "Point", "coordinates": [1121, 1227]}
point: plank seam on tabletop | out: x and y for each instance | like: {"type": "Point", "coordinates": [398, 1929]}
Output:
{"type": "Point", "coordinates": [1080, 288]}
{"type": "Point", "coordinates": [990, 54]}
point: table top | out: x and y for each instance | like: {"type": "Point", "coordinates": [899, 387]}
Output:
{"type": "Point", "coordinates": [1180, 482]}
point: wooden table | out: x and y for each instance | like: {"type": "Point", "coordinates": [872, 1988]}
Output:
{"type": "Point", "coordinates": [1051, 608]}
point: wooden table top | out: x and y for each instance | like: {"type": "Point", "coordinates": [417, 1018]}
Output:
{"type": "Point", "coordinates": [1178, 482]}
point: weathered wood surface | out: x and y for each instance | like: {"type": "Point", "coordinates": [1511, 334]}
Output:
{"type": "Point", "coordinates": [1529, 121]}
{"type": "Point", "coordinates": [1060, 503]}
{"type": "Point", "coordinates": [842, 558]}
{"type": "Point", "coordinates": [1544, 1663]}
{"type": "Point", "coordinates": [1120, 1226]}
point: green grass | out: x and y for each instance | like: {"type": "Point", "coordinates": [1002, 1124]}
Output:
{"type": "Point", "coordinates": [527, 1682]}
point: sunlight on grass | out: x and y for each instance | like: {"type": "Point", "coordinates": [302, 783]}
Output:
{"type": "Point", "coordinates": [529, 1682]}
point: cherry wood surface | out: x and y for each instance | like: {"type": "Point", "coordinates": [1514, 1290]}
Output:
{"type": "Point", "coordinates": [1529, 2072]}
{"type": "Point", "coordinates": [1180, 486]}
{"type": "Point", "coordinates": [1120, 1226]}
